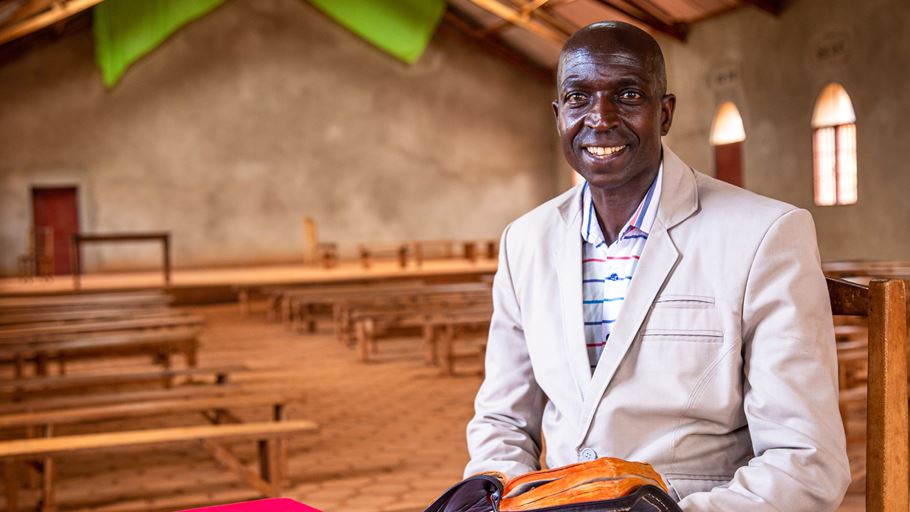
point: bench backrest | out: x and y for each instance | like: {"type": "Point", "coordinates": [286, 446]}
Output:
{"type": "Point", "coordinates": [887, 431]}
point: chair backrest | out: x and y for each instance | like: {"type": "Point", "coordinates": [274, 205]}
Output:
{"type": "Point", "coordinates": [884, 302]}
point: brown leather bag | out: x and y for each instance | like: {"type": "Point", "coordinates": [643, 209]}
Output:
{"type": "Point", "coordinates": [602, 485]}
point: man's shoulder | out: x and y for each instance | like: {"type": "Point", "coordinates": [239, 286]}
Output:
{"type": "Point", "coordinates": [736, 206]}
{"type": "Point", "coordinates": [553, 214]}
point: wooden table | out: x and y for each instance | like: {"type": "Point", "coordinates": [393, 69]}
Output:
{"type": "Point", "coordinates": [82, 238]}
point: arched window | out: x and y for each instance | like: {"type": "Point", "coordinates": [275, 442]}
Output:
{"type": "Point", "coordinates": [727, 136]}
{"type": "Point", "coordinates": [834, 147]}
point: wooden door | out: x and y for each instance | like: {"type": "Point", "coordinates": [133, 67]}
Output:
{"type": "Point", "coordinates": [728, 162]}
{"type": "Point", "coordinates": [57, 208]}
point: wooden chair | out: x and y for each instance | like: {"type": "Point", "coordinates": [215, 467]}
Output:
{"type": "Point", "coordinates": [887, 431]}
{"type": "Point", "coordinates": [39, 260]}
{"type": "Point", "coordinates": [316, 253]}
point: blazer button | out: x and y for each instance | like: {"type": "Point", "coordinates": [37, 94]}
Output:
{"type": "Point", "coordinates": [587, 455]}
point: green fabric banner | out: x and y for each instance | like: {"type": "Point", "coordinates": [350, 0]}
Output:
{"type": "Point", "coordinates": [125, 30]}
{"type": "Point", "coordinates": [402, 28]}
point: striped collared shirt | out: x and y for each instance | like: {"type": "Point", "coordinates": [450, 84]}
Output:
{"type": "Point", "coordinates": [607, 269]}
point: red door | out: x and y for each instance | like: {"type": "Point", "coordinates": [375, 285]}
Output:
{"type": "Point", "coordinates": [728, 161]}
{"type": "Point", "coordinates": [57, 208]}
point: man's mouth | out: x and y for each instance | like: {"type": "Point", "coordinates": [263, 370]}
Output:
{"type": "Point", "coordinates": [604, 151]}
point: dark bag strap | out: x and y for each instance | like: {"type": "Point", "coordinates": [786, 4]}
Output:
{"type": "Point", "coordinates": [482, 493]}
{"type": "Point", "coordinates": [647, 498]}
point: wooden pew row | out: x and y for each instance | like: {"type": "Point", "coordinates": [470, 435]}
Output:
{"type": "Point", "coordinates": [85, 315]}
{"type": "Point", "coordinates": [271, 438]}
{"type": "Point", "coordinates": [215, 407]}
{"type": "Point", "coordinates": [428, 296]}
{"type": "Point", "coordinates": [74, 301]}
{"type": "Point", "coordinates": [438, 323]}
{"type": "Point", "coordinates": [448, 249]}
{"type": "Point", "coordinates": [369, 254]}
{"type": "Point", "coordinates": [57, 403]}
{"type": "Point", "coordinates": [160, 344]}
{"type": "Point", "coordinates": [62, 385]}
{"type": "Point", "coordinates": [53, 331]}
{"type": "Point", "coordinates": [450, 330]}
{"type": "Point", "coordinates": [898, 269]}
{"type": "Point", "coordinates": [304, 307]}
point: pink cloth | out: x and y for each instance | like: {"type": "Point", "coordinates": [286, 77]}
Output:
{"type": "Point", "coordinates": [267, 505]}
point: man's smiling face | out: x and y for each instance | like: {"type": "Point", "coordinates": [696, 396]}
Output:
{"type": "Point", "coordinates": [611, 110]}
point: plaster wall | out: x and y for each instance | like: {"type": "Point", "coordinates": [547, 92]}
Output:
{"type": "Point", "coordinates": [773, 68]}
{"type": "Point", "coordinates": [259, 114]}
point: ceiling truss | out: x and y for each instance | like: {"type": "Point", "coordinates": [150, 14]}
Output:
{"type": "Point", "coordinates": [19, 18]}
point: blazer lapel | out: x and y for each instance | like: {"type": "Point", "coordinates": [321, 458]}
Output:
{"type": "Point", "coordinates": [657, 261]}
{"type": "Point", "coordinates": [678, 201]}
{"type": "Point", "coordinates": [568, 274]}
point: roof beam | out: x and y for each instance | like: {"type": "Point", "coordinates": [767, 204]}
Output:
{"type": "Point", "coordinates": [468, 29]}
{"type": "Point", "coordinates": [773, 7]}
{"type": "Point", "coordinates": [59, 11]}
{"type": "Point", "coordinates": [522, 20]}
{"type": "Point", "coordinates": [675, 30]}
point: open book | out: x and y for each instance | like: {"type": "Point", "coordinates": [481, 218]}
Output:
{"type": "Point", "coordinates": [602, 485]}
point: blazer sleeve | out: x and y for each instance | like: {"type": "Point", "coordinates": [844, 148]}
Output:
{"type": "Point", "coordinates": [790, 383]}
{"type": "Point", "coordinates": [504, 434]}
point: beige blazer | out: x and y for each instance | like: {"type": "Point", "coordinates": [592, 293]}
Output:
{"type": "Point", "coordinates": [720, 370]}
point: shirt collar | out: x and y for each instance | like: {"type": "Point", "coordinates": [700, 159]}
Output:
{"type": "Point", "coordinates": [642, 220]}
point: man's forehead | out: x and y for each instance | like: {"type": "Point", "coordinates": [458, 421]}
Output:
{"type": "Point", "coordinates": [581, 62]}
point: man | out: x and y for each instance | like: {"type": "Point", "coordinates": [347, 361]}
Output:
{"type": "Point", "coordinates": [658, 315]}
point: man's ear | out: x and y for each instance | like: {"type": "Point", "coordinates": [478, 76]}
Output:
{"type": "Point", "coordinates": [667, 106]}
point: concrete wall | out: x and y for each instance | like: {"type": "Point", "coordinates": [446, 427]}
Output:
{"type": "Point", "coordinates": [774, 69]}
{"type": "Point", "coordinates": [261, 113]}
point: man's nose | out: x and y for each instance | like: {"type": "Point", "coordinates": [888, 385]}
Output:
{"type": "Point", "coordinates": [602, 116]}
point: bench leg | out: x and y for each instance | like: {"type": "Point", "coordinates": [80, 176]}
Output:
{"type": "Point", "coordinates": [19, 365]}
{"type": "Point", "coordinates": [364, 331]}
{"type": "Point", "coordinates": [281, 452]}
{"type": "Point", "coordinates": [243, 300]}
{"type": "Point", "coordinates": [191, 355]}
{"type": "Point", "coordinates": [445, 363]}
{"type": "Point", "coordinates": [12, 485]}
{"type": "Point", "coordinates": [41, 365]}
{"type": "Point", "coordinates": [48, 503]}
{"type": "Point", "coordinates": [269, 469]}
{"type": "Point", "coordinates": [429, 343]}
{"type": "Point", "coordinates": [227, 459]}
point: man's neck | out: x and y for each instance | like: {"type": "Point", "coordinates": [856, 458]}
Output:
{"type": "Point", "coordinates": [614, 207]}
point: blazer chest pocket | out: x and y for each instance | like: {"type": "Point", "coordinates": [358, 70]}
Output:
{"type": "Point", "coordinates": [683, 318]}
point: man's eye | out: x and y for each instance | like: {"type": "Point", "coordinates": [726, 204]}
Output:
{"type": "Point", "coordinates": [575, 97]}
{"type": "Point", "coordinates": [631, 96]}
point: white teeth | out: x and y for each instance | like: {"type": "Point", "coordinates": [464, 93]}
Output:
{"type": "Point", "coordinates": [603, 151]}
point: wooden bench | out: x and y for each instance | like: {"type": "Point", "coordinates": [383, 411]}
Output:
{"type": "Point", "coordinates": [77, 301]}
{"type": "Point", "coordinates": [60, 402]}
{"type": "Point", "coordinates": [432, 249]}
{"type": "Point", "coordinates": [428, 318]}
{"type": "Point", "coordinates": [887, 461]}
{"type": "Point", "coordinates": [28, 388]}
{"type": "Point", "coordinates": [215, 407]}
{"type": "Point", "coordinates": [894, 269]}
{"type": "Point", "coordinates": [171, 320]}
{"type": "Point", "coordinates": [445, 331]}
{"type": "Point", "coordinates": [87, 315]}
{"type": "Point", "coordinates": [490, 249]}
{"type": "Point", "coordinates": [293, 304]}
{"type": "Point", "coordinates": [403, 302]}
{"type": "Point", "coordinates": [270, 436]}
{"type": "Point", "coordinates": [369, 253]}
{"type": "Point", "coordinates": [161, 344]}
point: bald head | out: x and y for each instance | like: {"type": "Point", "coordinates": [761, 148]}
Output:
{"type": "Point", "coordinates": [616, 37]}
